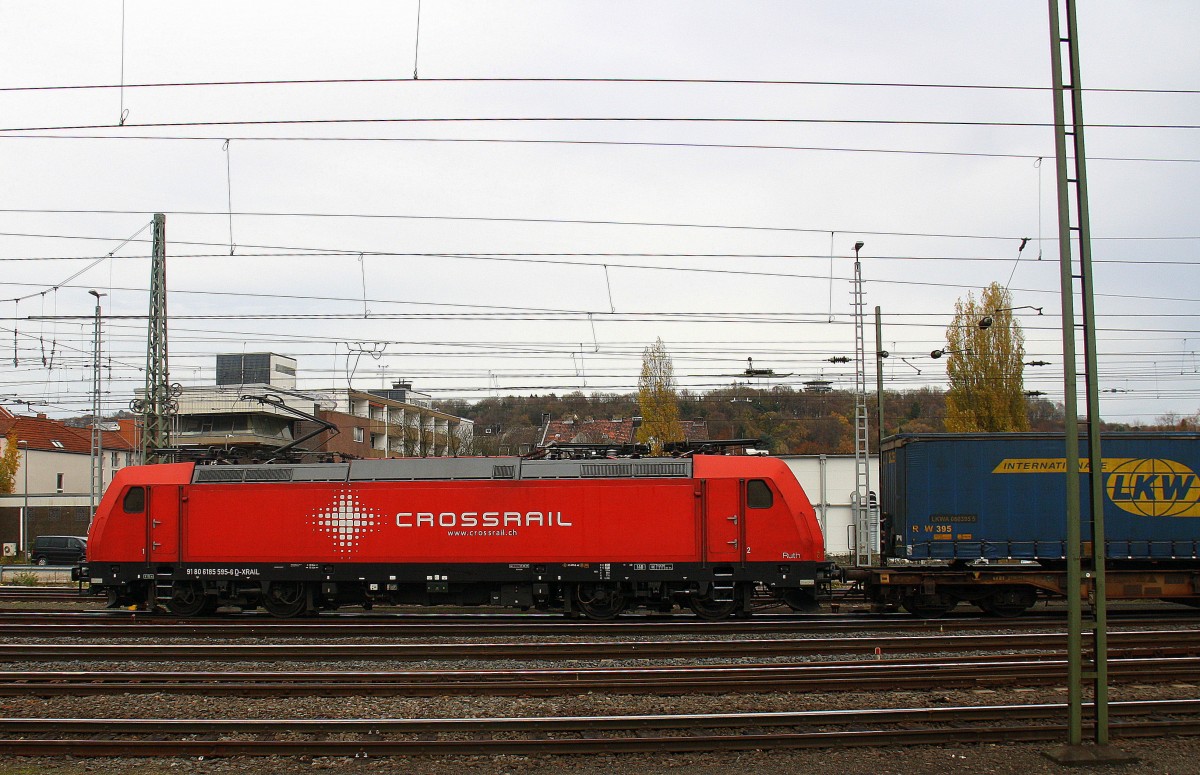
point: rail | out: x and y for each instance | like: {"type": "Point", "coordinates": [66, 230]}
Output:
{"type": "Point", "coordinates": [606, 734]}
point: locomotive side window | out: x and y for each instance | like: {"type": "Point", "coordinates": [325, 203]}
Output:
{"type": "Point", "coordinates": [758, 495]}
{"type": "Point", "coordinates": [135, 500]}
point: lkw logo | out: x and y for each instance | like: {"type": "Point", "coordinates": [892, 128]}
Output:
{"type": "Point", "coordinates": [1154, 488]}
{"type": "Point", "coordinates": [1148, 487]}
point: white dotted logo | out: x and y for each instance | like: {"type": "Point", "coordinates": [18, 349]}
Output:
{"type": "Point", "coordinates": [347, 522]}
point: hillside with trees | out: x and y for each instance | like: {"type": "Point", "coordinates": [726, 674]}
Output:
{"type": "Point", "coordinates": [788, 421]}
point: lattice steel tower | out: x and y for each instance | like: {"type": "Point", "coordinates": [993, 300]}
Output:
{"type": "Point", "coordinates": [156, 406]}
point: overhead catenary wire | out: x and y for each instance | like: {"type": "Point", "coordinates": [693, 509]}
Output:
{"type": "Point", "coordinates": [701, 270]}
{"type": "Point", "coordinates": [870, 232]}
{"type": "Point", "coordinates": [734, 120]}
{"type": "Point", "coordinates": [590, 254]}
{"type": "Point", "coordinates": [323, 302]}
{"type": "Point", "coordinates": [616, 143]}
{"type": "Point", "coordinates": [64, 283]}
{"type": "Point", "coordinates": [566, 80]}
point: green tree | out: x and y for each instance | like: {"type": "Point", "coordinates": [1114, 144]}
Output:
{"type": "Point", "coordinates": [658, 399]}
{"type": "Point", "coordinates": [10, 463]}
{"type": "Point", "coordinates": [985, 366]}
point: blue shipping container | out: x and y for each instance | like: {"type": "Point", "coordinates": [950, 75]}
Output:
{"type": "Point", "coordinates": [1003, 495]}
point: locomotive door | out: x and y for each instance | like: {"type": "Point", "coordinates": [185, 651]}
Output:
{"type": "Point", "coordinates": [162, 524]}
{"type": "Point", "coordinates": [725, 520]}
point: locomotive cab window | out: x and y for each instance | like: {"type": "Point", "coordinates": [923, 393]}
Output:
{"type": "Point", "coordinates": [135, 500]}
{"type": "Point", "coordinates": [758, 494]}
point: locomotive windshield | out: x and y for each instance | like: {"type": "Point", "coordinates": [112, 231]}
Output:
{"type": "Point", "coordinates": [758, 495]}
{"type": "Point", "coordinates": [135, 500]}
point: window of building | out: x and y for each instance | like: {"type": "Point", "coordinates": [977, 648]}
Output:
{"type": "Point", "coordinates": [758, 494]}
{"type": "Point", "coordinates": [358, 435]}
{"type": "Point", "coordinates": [60, 483]}
{"type": "Point", "coordinates": [113, 458]}
{"type": "Point", "coordinates": [57, 444]}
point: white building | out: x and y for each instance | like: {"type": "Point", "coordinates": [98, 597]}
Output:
{"type": "Point", "coordinates": [237, 414]}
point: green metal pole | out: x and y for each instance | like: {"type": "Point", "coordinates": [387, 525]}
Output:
{"type": "Point", "coordinates": [880, 354]}
{"type": "Point", "coordinates": [1092, 388]}
{"type": "Point", "coordinates": [1070, 400]}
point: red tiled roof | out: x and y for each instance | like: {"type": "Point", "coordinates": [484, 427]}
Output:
{"type": "Point", "coordinates": [128, 432]}
{"type": "Point", "coordinates": [609, 431]}
{"type": "Point", "coordinates": [54, 436]}
{"type": "Point", "coordinates": [588, 432]}
{"type": "Point", "coordinates": [695, 430]}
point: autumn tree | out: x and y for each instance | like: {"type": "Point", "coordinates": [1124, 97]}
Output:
{"type": "Point", "coordinates": [985, 365]}
{"type": "Point", "coordinates": [658, 399]}
{"type": "Point", "coordinates": [10, 463]}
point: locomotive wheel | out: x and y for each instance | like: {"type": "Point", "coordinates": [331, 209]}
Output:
{"type": "Point", "coordinates": [285, 599]}
{"type": "Point", "coordinates": [598, 601]}
{"type": "Point", "coordinates": [928, 606]}
{"type": "Point", "coordinates": [712, 610]}
{"type": "Point", "coordinates": [800, 600]}
{"type": "Point", "coordinates": [188, 599]}
{"type": "Point", "coordinates": [114, 599]}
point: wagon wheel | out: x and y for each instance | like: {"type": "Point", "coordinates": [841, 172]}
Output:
{"type": "Point", "coordinates": [285, 599]}
{"type": "Point", "coordinates": [187, 599]}
{"type": "Point", "coordinates": [1007, 603]}
{"type": "Point", "coordinates": [598, 601]}
{"type": "Point", "coordinates": [929, 606]}
{"type": "Point", "coordinates": [712, 610]}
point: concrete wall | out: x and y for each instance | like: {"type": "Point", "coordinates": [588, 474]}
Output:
{"type": "Point", "coordinates": [48, 515]}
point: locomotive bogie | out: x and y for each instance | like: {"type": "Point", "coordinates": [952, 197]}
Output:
{"type": "Point", "coordinates": [599, 593]}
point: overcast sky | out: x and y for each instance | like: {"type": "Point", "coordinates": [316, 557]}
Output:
{"type": "Point", "coordinates": [482, 230]}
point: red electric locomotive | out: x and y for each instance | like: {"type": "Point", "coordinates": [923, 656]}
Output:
{"type": "Point", "coordinates": [589, 537]}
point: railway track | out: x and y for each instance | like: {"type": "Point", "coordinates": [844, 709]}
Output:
{"type": "Point", "coordinates": [869, 675]}
{"type": "Point", "coordinates": [119, 623]}
{"type": "Point", "coordinates": [24, 593]}
{"type": "Point", "coordinates": [559, 735]}
{"type": "Point", "coordinates": [1143, 643]}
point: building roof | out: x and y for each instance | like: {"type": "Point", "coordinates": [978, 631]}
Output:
{"type": "Point", "coordinates": [50, 435]}
{"type": "Point", "coordinates": [617, 431]}
{"type": "Point", "coordinates": [588, 432]}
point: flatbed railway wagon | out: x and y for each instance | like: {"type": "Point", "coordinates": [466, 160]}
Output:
{"type": "Point", "coordinates": [589, 537]}
{"type": "Point", "coordinates": [981, 518]}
